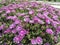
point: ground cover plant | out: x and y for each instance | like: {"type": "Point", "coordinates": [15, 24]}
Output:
{"type": "Point", "coordinates": [29, 23]}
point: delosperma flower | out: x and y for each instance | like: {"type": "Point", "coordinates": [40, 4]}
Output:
{"type": "Point", "coordinates": [33, 41]}
{"type": "Point", "coordinates": [39, 40]}
{"type": "Point", "coordinates": [49, 31]}
{"type": "Point", "coordinates": [47, 43]}
{"type": "Point", "coordinates": [17, 39]}
{"type": "Point", "coordinates": [29, 23]}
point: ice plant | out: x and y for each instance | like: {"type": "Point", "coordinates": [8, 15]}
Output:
{"type": "Point", "coordinates": [49, 31]}
{"type": "Point", "coordinates": [29, 23]}
{"type": "Point", "coordinates": [33, 41]}
{"type": "Point", "coordinates": [39, 40]}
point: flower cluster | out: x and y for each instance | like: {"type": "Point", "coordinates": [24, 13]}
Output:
{"type": "Point", "coordinates": [29, 23]}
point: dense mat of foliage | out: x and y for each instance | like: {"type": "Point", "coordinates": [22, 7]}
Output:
{"type": "Point", "coordinates": [29, 23]}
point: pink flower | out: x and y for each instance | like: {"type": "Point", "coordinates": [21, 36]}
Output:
{"type": "Point", "coordinates": [17, 39]}
{"type": "Point", "coordinates": [37, 20]}
{"type": "Point", "coordinates": [47, 43]}
{"type": "Point", "coordinates": [31, 21]}
{"type": "Point", "coordinates": [39, 40]}
{"type": "Point", "coordinates": [40, 16]}
{"type": "Point", "coordinates": [26, 19]}
{"type": "Point", "coordinates": [22, 32]}
{"type": "Point", "coordinates": [7, 31]}
{"type": "Point", "coordinates": [49, 31]}
{"type": "Point", "coordinates": [12, 17]}
{"type": "Point", "coordinates": [55, 17]}
{"type": "Point", "coordinates": [20, 14]}
{"type": "Point", "coordinates": [31, 12]}
{"type": "Point", "coordinates": [14, 31]}
{"type": "Point", "coordinates": [2, 27]}
{"type": "Point", "coordinates": [17, 21]}
{"type": "Point", "coordinates": [19, 28]}
{"type": "Point", "coordinates": [12, 26]}
{"type": "Point", "coordinates": [55, 38]}
{"type": "Point", "coordinates": [47, 21]}
{"type": "Point", "coordinates": [8, 11]}
{"type": "Point", "coordinates": [33, 41]}
{"type": "Point", "coordinates": [58, 30]}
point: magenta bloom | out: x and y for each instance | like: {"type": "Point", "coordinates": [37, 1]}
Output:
{"type": "Point", "coordinates": [2, 27]}
{"type": "Point", "coordinates": [17, 21]}
{"type": "Point", "coordinates": [31, 21]}
{"type": "Point", "coordinates": [7, 31]}
{"type": "Point", "coordinates": [37, 20]}
{"type": "Point", "coordinates": [14, 31]}
{"type": "Point", "coordinates": [22, 32]}
{"type": "Point", "coordinates": [55, 38]}
{"type": "Point", "coordinates": [18, 38]}
{"type": "Point", "coordinates": [31, 12]}
{"type": "Point", "coordinates": [39, 40]}
{"type": "Point", "coordinates": [26, 19]}
{"type": "Point", "coordinates": [49, 31]}
{"type": "Point", "coordinates": [47, 43]}
{"type": "Point", "coordinates": [18, 28]}
{"type": "Point", "coordinates": [47, 21]}
{"type": "Point", "coordinates": [40, 16]}
{"type": "Point", "coordinates": [12, 17]}
{"type": "Point", "coordinates": [12, 26]}
{"type": "Point", "coordinates": [55, 17]}
{"type": "Point", "coordinates": [8, 11]}
{"type": "Point", "coordinates": [58, 30]}
{"type": "Point", "coordinates": [20, 14]}
{"type": "Point", "coordinates": [33, 41]}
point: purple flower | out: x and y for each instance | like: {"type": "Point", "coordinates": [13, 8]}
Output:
{"type": "Point", "coordinates": [26, 19]}
{"type": "Point", "coordinates": [12, 26]}
{"type": "Point", "coordinates": [40, 16]}
{"type": "Point", "coordinates": [49, 31]}
{"type": "Point", "coordinates": [14, 31]}
{"type": "Point", "coordinates": [47, 43]}
{"type": "Point", "coordinates": [31, 12]}
{"type": "Point", "coordinates": [18, 38]}
{"type": "Point", "coordinates": [55, 17]}
{"type": "Point", "coordinates": [9, 17]}
{"type": "Point", "coordinates": [20, 44]}
{"type": "Point", "coordinates": [17, 21]}
{"type": "Point", "coordinates": [55, 38]}
{"type": "Point", "coordinates": [20, 14]}
{"type": "Point", "coordinates": [22, 32]}
{"type": "Point", "coordinates": [13, 11]}
{"type": "Point", "coordinates": [39, 40]}
{"type": "Point", "coordinates": [19, 28]}
{"type": "Point", "coordinates": [2, 27]}
{"type": "Point", "coordinates": [27, 16]}
{"type": "Point", "coordinates": [54, 24]}
{"type": "Point", "coordinates": [33, 41]}
{"type": "Point", "coordinates": [47, 21]}
{"type": "Point", "coordinates": [12, 17]}
{"type": "Point", "coordinates": [7, 31]}
{"type": "Point", "coordinates": [31, 21]}
{"type": "Point", "coordinates": [5, 43]}
{"type": "Point", "coordinates": [8, 11]}
{"type": "Point", "coordinates": [41, 22]}
{"type": "Point", "coordinates": [58, 30]}
{"type": "Point", "coordinates": [37, 20]}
